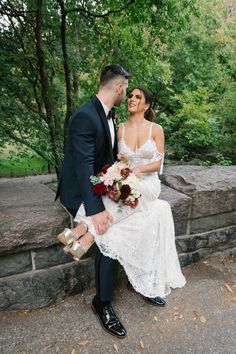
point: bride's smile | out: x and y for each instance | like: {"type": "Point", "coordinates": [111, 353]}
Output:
{"type": "Point", "coordinates": [136, 102]}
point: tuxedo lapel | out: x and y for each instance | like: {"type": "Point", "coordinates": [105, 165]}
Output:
{"type": "Point", "coordinates": [103, 118]}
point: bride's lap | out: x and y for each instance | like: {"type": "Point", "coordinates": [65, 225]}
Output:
{"type": "Point", "coordinates": [150, 187]}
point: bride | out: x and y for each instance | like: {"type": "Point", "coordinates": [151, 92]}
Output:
{"type": "Point", "coordinates": [143, 241]}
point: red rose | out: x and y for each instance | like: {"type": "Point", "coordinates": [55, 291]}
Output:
{"type": "Point", "coordinates": [99, 188]}
{"type": "Point", "coordinates": [105, 168]}
{"type": "Point", "coordinates": [125, 191]}
{"type": "Point", "coordinates": [133, 206]}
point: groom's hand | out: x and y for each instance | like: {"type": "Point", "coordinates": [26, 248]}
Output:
{"type": "Point", "coordinates": [101, 222]}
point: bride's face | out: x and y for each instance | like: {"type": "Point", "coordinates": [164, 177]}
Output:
{"type": "Point", "coordinates": [136, 102]}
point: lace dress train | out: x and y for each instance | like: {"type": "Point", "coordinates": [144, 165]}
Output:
{"type": "Point", "coordinates": [142, 239]}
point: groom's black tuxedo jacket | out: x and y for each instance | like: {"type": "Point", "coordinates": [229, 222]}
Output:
{"type": "Point", "coordinates": [89, 148]}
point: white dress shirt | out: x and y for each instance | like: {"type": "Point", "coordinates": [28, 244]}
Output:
{"type": "Point", "coordinates": [110, 123]}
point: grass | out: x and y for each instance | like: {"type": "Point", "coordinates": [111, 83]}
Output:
{"type": "Point", "coordinates": [12, 165]}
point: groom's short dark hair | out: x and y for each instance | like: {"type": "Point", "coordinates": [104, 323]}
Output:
{"type": "Point", "coordinates": [112, 71]}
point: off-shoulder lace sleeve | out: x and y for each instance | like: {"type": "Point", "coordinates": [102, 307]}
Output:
{"type": "Point", "coordinates": [158, 156]}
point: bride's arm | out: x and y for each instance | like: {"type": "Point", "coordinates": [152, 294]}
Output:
{"type": "Point", "coordinates": [159, 138]}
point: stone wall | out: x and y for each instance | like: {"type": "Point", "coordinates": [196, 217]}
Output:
{"type": "Point", "coordinates": [208, 223]}
{"type": "Point", "coordinates": [35, 272]}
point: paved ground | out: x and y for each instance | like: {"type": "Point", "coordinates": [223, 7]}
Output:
{"type": "Point", "coordinates": [199, 318]}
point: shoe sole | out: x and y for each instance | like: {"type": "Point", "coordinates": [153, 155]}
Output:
{"type": "Point", "coordinates": [114, 335]}
{"type": "Point", "coordinates": [143, 297]}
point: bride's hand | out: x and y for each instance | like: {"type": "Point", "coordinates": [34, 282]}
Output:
{"type": "Point", "coordinates": [137, 171]}
{"type": "Point", "coordinates": [101, 222]}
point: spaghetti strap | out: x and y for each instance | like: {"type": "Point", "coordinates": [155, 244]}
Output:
{"type": "Point", "coordinates": [123, 130]}
{"type": "Point", "coordinates": [150, 131]}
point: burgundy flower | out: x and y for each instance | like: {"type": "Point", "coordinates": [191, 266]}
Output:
{"type": "Point", "coordinates": [99, 188]}
{"type": "Point", "coordinates": [105, 168]}
{"type": "Point", "coordinates": [125, 191]}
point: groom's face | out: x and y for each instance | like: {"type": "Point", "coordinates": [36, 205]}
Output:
{"type": "Point", "coordinates": [121, 88]}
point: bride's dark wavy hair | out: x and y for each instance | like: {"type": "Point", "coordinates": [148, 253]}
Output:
{"type": "Point", "coordinates": [148, 95]}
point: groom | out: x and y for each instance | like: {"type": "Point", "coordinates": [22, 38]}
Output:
{"type": "Point", "coordinates": [92, 143]}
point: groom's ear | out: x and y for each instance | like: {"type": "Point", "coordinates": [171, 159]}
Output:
{"type": "Point", "coordinates": [118, 87]}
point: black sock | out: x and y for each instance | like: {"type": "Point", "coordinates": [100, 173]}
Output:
{"type": "Point", "coordinates": [100, 304]}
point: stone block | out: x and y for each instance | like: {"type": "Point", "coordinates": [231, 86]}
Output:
{"type": "Point", "coordinates": [214, 241]}
{"type": "Point", "coordinates": [41, 288]}
{"type": "Point", "coordinates": [180, 206]}
{"type": "Point", "coordinates": [212, 189]}
{"type": "Point", "coordinates": [33, 217]}
{"type": "Point", "coordinates": [50, 256]}
{"type": "Point", "coordinates": [212, 222]}
{"type": "Point", "coordinates": [15, 263]}
{"type": "Point", "coordinates": [54, 255]}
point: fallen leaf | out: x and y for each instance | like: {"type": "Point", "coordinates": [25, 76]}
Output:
{"type": "Point", "coordinates": [155, 318]}
{"type": "Point", "coordinates": [83, 342]}
{"type": "Point", "coordinates": [73, 352]}
{"type": "Point", "coordinates": [233, 298]}
{"type": "Point", "coordinates": [228, 288]}
{"type": "Point", "coordinates": [141, 344]}
{"type": "Point", "coordinates": [24, 312]}
{"type": "Point", "coordinates": [201, 318]}
{"type": "Point", "coordinates": [115, 347]}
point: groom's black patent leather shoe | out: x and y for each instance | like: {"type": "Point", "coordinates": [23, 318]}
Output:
{"type": "Point", "coordinates": [157, 301]}
{"type": "Point", "coordinates": [108, 319]}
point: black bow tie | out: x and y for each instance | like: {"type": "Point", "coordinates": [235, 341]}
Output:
{"type": "Point", "coordinates": [111, 113]}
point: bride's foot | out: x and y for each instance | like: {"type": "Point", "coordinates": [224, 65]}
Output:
{"type": "Point", "coordinates": [79, 248]}
{"type": "Point", "coordinates": [68, 236]}
{"type": "Point", "coordinates": [80, 230]}
{"type": "Point", "coordinates": [86, 241]}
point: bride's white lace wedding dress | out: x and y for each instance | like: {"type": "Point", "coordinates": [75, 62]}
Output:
{"type": "Point", "coordinates": [142, 239]}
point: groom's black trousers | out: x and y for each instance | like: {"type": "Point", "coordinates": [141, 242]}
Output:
{"type": "Point", "coordinates": [104, 272]}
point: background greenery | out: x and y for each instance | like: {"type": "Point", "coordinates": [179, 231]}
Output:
{"type": "Point", "coordinates": [52, 52]}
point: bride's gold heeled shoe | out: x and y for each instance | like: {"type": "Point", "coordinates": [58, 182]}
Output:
{"type": "Point", "coordinates": [67, 237]}
{"type": "Point", "coordinates": [76, 250]}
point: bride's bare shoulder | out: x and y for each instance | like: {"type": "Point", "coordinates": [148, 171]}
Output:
{"type": "Point", "coordinates": [157, 129]}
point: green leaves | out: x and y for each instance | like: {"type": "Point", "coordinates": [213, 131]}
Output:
{"type": "Point", "coordinates": [184, 51]}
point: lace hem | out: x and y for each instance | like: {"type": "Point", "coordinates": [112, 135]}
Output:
{"type": "Point", "coordinates": [138, 287]}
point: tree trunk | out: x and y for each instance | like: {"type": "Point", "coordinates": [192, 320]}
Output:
{"type": "Point", "coordinates": [45, 88]}
{"type": "Point", "coordinates": [67, 70]}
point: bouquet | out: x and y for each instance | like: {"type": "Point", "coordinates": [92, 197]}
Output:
{"type": "Point", "coordinates": [117, 182]}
